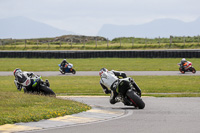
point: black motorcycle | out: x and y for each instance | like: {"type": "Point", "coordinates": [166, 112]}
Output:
{"type": "Point", "coordinates": [129, 94]}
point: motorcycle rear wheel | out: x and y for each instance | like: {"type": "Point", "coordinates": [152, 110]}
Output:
{"type": "Point", "coordinates": [136, 100]}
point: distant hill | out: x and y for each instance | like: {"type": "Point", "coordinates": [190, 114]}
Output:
{"type": "Point", "coordinates": [21, 27]}
{"type": "Point", "coordinates": [156, 28]}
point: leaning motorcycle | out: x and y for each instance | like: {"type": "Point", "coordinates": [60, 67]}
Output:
{"type": "Point", "coordinates": [129, 95]}
{"type": "Point", "coordinates": [39, 86]}
{"type": "Point", "coordinates": [67, 69]}
{"type": "Point", "coordinates": [187, 67]}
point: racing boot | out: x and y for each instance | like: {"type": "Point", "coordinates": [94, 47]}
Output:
{"type": "Point", "coordinates": [47, 83]}
{"type": "Point", "coordinates": [113, 98]}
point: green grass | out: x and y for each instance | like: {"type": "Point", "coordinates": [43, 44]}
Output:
{"type": "Point", "coordinates": [95, 64]}
{"type": "Point", "coordinates": [16, 106]}
{"type": "Point", "coordinates": [102, 46]}
{"type": "Point", "coordinates": [100, 43]}
{"type": "Point", "coordinates": [89, 85]}
{"type": "Point", "coordinates": [19, 107]}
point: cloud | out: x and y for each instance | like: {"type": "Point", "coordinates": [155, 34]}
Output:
{"type": "Point", "coordinates": [87, 17]}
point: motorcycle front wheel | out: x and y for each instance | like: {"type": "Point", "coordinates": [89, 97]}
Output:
{"type": "Point", "coordinates": [46, 90]}
{"type": "Point", "coordinates": [135, 99]}
{"type": "Point", "coordinates": [193, 70]}
{"type": "Point", "coordinates": [182, 71]}
{"type": "Point", "coordinates": [62, 72]}
{"type": "Point", "coordinates": [73, 71]}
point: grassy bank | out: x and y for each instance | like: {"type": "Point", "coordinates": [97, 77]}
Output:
{"type": "Point", "coordinates": [149, 84]}
{"type": "Point", "coordinates": [19, 107]}
{"type": "Point", "coordinates": [95, 64]}
{"type": "Point", "coordinates": [101, 46]}
{"type": "Point", "coordinates": [74, 42]}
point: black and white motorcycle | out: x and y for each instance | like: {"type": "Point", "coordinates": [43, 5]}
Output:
{"type": "Point", "coordinates": [122, 88]}
{"type": "Point", "coordinates": [33, 84]}
{"type": "Point", "coordinates": [129, 93]}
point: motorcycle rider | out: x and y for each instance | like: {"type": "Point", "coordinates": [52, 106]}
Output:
{"type": "Point", "coordinates": [110, 81]}
{"type": "Point", "coordinates": [183, 61]}
{"type": "Point", "coordinates": [63, 63]}
{"type": "Point", "coordinates": [25, 80]}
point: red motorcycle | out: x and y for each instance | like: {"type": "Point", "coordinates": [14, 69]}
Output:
{"type": "Point", "coordinates": [187, 67]}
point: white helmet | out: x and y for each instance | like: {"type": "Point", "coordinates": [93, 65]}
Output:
{"type": "Point", "coordinates": [183, 59]}
{"type": "Point", "coordinates": [103, 72]}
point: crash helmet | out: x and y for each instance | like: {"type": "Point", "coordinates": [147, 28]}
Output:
{"type": "Point", "coordinates": [103, 72]}
{"type": "Point", "coordinates": [16, 71]}
{"type": "Point", "coordinates": [183, 59]}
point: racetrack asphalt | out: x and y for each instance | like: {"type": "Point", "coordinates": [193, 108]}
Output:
{"type": "Point", "coordinates": [96, 73]}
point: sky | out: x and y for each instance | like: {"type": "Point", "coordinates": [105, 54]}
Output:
{"type": "Point", "coordinates": [86, 17]}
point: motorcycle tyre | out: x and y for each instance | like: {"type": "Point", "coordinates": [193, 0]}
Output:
{"type": "Point", "coordinates": [62, 72]}
{"type": "Point", "coordinates": [193, 70]}
{"type": "Point", "coordinates": [183, 72]}
{"type": "Point", "coordinates": [73, 71]}
{"type": "Point", "coordinates": [136, 100]}
{"type": "Point", "coordinates": [46, 90]}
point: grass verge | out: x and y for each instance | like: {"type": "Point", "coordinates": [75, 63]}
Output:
{"type": "Point", "coordinates": [102, 46]}
{"type": "Point", "coordinates": [19, 107]}
{"type": "Point", "coordinates": [89, 85]}
{"type": "Point", "coordinates": [95, 64]}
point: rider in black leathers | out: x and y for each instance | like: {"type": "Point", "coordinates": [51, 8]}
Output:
{"type": "Point", "coordinates": [63, 63]}
{"type": "Point", "coordinates": [183, 61]}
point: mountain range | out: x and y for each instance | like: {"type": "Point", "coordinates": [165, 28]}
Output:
{"type": "Point", "coordinates": [22, 27]}
{"type": "Point", "coordinates": [156, 28]}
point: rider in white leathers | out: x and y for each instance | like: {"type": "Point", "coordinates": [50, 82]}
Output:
{"type": "Point", "coordinates": [109, 79]}
{"type": "Point", "coordinates": [25, 80]}
{"type": "Point", "coordinates": [22, 79]}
